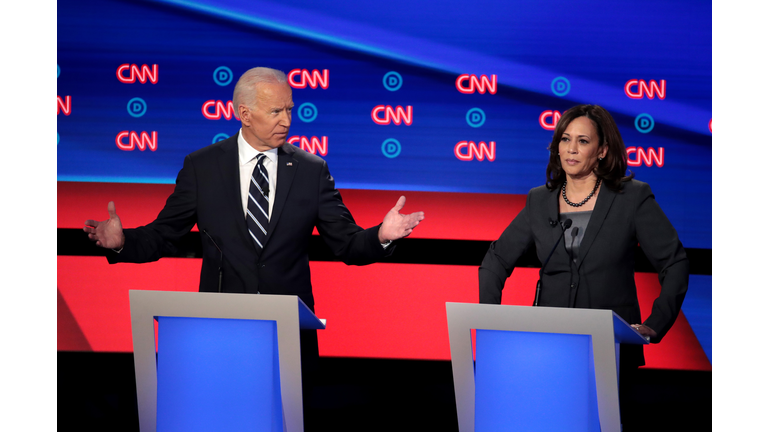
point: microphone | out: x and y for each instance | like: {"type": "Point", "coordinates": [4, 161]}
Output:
{"type": "Point", "coordinates": [574, 234]}
{"type": "Point", "coordinates": [567, 224]}
{"type": "Point", "coordinates": [221, 256]}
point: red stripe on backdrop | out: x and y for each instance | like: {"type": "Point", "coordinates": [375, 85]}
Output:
{"type": "Point", "coordinates": [94, 297]}
{"type": "Point", "coordinates": [139, 204]}
{"type": "Point", "coordinates": [381, 310]}
{"type": "Point", "coordinates": [680, 349]}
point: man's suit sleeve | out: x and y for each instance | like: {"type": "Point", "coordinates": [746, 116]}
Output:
{"type": "Point", "coordinates": [502, 255]}
{"type": "Point", "coordinates": [661, 245]}
{"type": "Point", "coordinates": [157, 239]}
{"type": "Point", "coordinates": [348, 241]}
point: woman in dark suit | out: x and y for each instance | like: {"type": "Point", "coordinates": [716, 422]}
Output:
{"type": "Point", "coordinates": [593, 265]}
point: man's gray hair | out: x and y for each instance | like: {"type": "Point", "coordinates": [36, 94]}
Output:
{"type": "Point", "coordinates": [245, 89]}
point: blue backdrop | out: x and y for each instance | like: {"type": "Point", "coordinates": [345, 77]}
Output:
{"type": "Point", "coordinates": [543, 56]}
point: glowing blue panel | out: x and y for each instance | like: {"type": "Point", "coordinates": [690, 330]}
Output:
{"type": "Point", "coordinates": [534, 382]}
{"type": "Point", "coordinates": [217, 374]}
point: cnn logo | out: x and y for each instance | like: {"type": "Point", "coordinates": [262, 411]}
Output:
{"type": "Point", "coordinates": [548, 119]}
{"type": "Point", "coordinates": [398, 115]}
{"type": "Point", "coordinates": [312, 145]}
{"type": "Point", "coordinates": [301, 78]}
{"type": "Point", "coordinates": [637, 156]}
{"type": "Point", "coordinates": [469, 150]}
{"type": "Point", "coordinates": [216, 109]}
{"type": "Point", "coordinates": [141, 141]}
{"type": "Point", "coordinates": [128, 73]}
{"type": "Point", "coordinates": [471, 83]}
{"type": "Point", "coordinates": [637, 89]}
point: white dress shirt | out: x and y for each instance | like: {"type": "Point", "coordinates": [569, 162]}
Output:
{"type": "Point", "coordinates": [248, 158]}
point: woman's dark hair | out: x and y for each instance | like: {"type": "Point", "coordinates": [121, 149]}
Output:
{"type": "Point", "coordinates": [612, 169]}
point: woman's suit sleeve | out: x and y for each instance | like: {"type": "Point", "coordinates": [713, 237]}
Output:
{"type": "Point", "coordinates": [502, 256]}
{"type": "Point", "coordinates": [661, 245]}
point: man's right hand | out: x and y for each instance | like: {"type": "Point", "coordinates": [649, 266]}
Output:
{"type": "Point", "coordinates": [109, 233]}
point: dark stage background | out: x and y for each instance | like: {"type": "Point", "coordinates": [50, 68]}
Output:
{"type": "Point", "coordinates": [446, 103]}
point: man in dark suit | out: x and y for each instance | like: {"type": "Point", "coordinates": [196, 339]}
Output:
{"type": "Point", "coordinates": [215, 188]}
{"type": "Point", "coordinates": [256, 201]}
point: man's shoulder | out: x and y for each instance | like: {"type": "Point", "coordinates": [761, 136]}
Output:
{"type": "Point", "coordinates": [300, 155]}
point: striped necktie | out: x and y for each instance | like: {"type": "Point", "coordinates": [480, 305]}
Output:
{"type": "Point", "coordinates": [258, 204]}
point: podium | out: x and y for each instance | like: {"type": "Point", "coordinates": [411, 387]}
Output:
{"type": "Point", "coordinates": [223, 361]}
{"type": "Point", "coordinates": [537, 368]}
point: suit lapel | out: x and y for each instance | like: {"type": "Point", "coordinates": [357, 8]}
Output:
{"type": "Point", "coordinates": [602, 206]}
{"type": "Point", "coordinates": [286, 170]}
{"type": "Point", "coordinates": [229, 167]}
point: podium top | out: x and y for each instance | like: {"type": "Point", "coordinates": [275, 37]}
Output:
{"type": "Point", "coordinates": [625, 333]}
{"type": "Point", "coordinates": [542, 319]}
{"type": "Point", "coordinates": [224, 305]}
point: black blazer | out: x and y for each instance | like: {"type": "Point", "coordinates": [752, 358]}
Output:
{"type": "Point", "coordinates": [604, 277]}
{"type": "Point", "coordinates": [207, 193]}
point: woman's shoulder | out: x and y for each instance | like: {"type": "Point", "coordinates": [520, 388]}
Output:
{"type": "Point", "coordinates": [539, 191]}
{"type": "Point", "coordinates": [633, 186]}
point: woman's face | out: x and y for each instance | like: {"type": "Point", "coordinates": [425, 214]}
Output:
{"type": "Point", "coordinates": [579, 149]}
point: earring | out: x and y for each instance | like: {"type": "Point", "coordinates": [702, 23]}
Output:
{"type": "Point", "coordinates": [600, 158]}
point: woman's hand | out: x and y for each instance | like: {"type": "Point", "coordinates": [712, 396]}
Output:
{"type": "Point", "coordinates": [644, 330]}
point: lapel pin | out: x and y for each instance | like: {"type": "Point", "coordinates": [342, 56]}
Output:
{"type": "Point", "coordinates": [290, 164]}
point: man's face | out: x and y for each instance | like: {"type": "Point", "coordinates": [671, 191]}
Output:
{"type": "Point", "coordinates": [266, 125]}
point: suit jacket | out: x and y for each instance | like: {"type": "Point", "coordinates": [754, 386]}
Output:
{"type": "Point", "coordinates": [604, 275]}
{"type": "Point", "coordinates": [207, 193]}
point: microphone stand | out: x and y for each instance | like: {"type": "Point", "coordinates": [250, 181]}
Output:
{"type": "Point", "coordinates": [221, 257]}
{"type": "Point", "coordinates": [567, 224]}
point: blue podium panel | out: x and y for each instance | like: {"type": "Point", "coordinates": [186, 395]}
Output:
{"type": "Point", "coordinates": [218, 374]}
{"type": "Point", "coordinates": [534, 382]}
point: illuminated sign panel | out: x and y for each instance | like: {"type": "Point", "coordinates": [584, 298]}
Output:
{"type": "Point", "coordinates": [129, 73]}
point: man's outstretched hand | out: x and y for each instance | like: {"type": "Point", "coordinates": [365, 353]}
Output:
{"type": "Point", "coordinates": [397, 225]}
{"type": "Point", "coordinates": [109, 233]}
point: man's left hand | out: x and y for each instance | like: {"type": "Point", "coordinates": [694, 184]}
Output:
{"type": "Point", "coordinates": [397, 225]}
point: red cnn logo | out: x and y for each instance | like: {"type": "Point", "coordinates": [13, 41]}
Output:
{"type": "Point", "coordinates": [481, 85]}
{"type": "Point", "coordinates": [64, 105]}
{"type": "Point", "coordinates": [312, 145]}
{"type": "Point", "coordinates": [479, 151]}
{"type": "Point", "coordinates": [648, 157]}
{"type": "Point", "coordinates": [135, 140]}
{"type": "Point", "coordinates": [642, 88]}
{"type": "Point", "coordinates": [396, 114]}
{"type": "Point", "coordinates": [554, 115]}
{"type": "Point", "coordinates": [313, 78]}
{"type": "Point", "coordinates": [219, 109]}
{"type": "Point", "coordinates": [134, 72]}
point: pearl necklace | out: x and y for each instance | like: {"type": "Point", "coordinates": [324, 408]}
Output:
{"type": "Point", "coordinates": [584, 201]}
